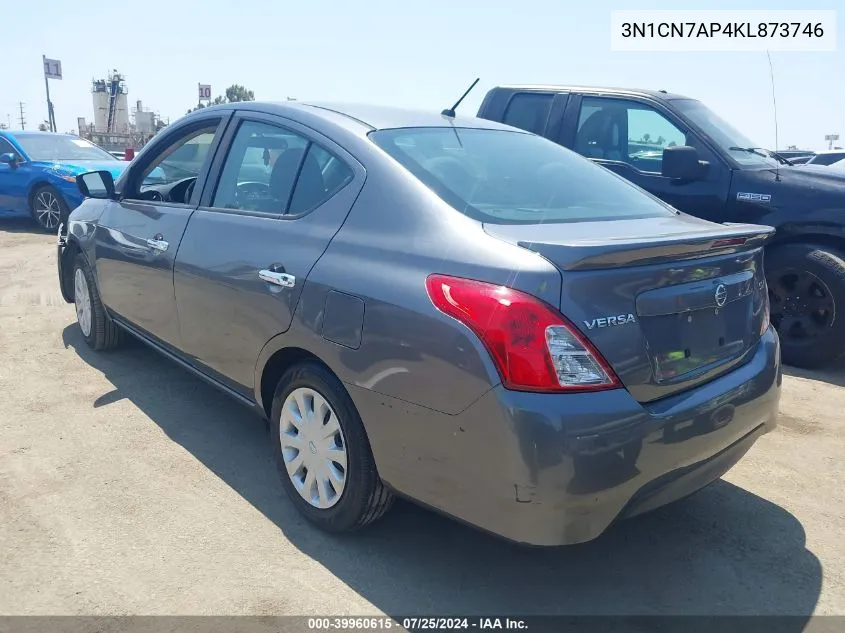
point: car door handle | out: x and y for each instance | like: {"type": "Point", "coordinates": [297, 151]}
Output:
{"type": "Point", "coordinates": [280, 279]}
{"type": "Point", "coordinates": [158, 245]}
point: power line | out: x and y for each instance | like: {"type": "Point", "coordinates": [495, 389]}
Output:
{"type": "Point", "coordinates": [21, 119]}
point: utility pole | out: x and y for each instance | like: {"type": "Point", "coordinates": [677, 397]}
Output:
{"type": "Point", "coordinates": [22, 120]}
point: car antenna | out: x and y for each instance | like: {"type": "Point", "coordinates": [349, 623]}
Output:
{"type": "Point", "coordinates": [450, 112]}
{"type": "Point", "coordinates": [775, 107]}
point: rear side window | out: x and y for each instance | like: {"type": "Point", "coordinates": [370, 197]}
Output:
{"type": "Point", "coordinates": [322, 175]}
{"type": "Point", "coordinates": [504, 177]}
{"type": "Point", "coordinates": [529, 111]}
{"type": "Point", "coordinates": [273, 170]}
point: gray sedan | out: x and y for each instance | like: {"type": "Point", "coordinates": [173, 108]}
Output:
{"type": "Point", "coordinates": [437, 307]}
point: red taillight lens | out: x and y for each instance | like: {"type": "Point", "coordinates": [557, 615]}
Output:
{"type": "Point", "coordinates": [129, 154]}
{"type": "Point", "coordinates": [767, 310]}
{"type": "Point", "coordinates": [534, 347]}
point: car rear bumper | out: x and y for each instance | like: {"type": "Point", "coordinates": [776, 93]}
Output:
{"type": "Point", "coordinates": [549, 469]}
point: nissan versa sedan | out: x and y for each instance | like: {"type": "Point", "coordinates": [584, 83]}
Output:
{"type": "Point", "coordinates": [443, 308]}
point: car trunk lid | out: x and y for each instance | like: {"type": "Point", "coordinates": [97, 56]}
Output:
{"type": "Point", "coordinates": [669, 302]}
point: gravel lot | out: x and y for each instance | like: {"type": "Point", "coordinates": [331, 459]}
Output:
{"type": "Point", "coordinates": [127, 486]}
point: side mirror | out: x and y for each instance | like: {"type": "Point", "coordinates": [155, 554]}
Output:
{"type": "Point", "coordinates": [96, 184]}
{"type": "Point", "coordinates": [9, 159]}
{"type": "Point", "coordinates": [682, 163]}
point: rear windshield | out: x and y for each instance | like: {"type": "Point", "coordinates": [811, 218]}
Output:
{"type": "Point", "coordinates": [505, 177]}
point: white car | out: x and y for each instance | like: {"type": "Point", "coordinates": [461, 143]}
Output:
{"type": "Point", "coordinates": [827, 157]}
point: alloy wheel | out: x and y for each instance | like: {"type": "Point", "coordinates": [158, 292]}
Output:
{"type": "Point", "coordinates": [47, 209]}
{"type": "Point", "coordinates": [82, 299]}
{"type": "Point", "coordinates": [313, 448]}
{"type": "Point", "coordinates": [802, 306]}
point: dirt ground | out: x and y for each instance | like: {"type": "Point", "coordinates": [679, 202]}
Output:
{"type": "Point", "coordinates": [127, 486]}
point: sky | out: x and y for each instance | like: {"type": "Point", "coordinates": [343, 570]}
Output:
{"type": "Point", "coordinates": [410, 54]}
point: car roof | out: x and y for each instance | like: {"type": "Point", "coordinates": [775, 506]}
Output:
{"type": "Point", "coordinates": [654, 94]}
{"type": "Point", "coordinates": [831, 151]}
{"type": "Point", "coordinates": [363, 116]}
{"type": "Point", "coordinates": [20, 133]}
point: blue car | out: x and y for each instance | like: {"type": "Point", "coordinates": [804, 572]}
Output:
{"type": "Point", "coordinates": [38, 173]}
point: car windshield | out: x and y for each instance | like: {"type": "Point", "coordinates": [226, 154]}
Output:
{"type": "Point", "coordinates": [508, 177]}
{"type": "Point", "coordinates": [727, 137]}
{"type": "Point", "coordinates": [55, 147]}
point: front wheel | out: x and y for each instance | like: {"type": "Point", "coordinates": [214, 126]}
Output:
{"type": "Point", "coordinates": [807, 295]}
{"type": "Point", "coordinates": [48, 208]}
{"type": "Point", "coordinates": [323, 455]}
{"type": "Point", "coordinates": [98, 330]}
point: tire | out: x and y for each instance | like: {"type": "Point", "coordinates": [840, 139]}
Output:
{"type": "Point", "coordinates": [48, 208]}
{"type": "Point", "coordinates": [807, 295]}
{"type": "Point", "coordinates": [362, 498]}
{"type": "Point", "coordinates": [98, 330]}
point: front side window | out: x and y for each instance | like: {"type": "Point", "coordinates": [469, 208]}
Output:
{"type": "Point", "coordinates": [171, 174]}
{"type": "Point", "coordinates": [6, 147]}
{"type": "Point", "coordinates": [529, 111]}
{"type": "Point", "coordinates": [504, 177]}
{"type": "Point", "coordinates": [182, 159]}
{"type": "Point", "coordinates": [625, 131]}
{"type": "Point", "coordinates": [56, 147]}
{"type": "Point", "coordinates": [270, 169]}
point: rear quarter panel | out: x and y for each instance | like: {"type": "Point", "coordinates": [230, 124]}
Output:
{"type": "Point", "coordinates": [396, 234]}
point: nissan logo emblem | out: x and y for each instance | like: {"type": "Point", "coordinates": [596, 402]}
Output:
{"type": "Point", "coordinates": [721, 295]}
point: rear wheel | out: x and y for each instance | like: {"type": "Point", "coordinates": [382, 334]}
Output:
{"type": "Point", "coordinates": [322, 451]}
{"type": "Point", "coordinates": [807, 296]}
{"type": "Point", "coordinates": [48, 208]}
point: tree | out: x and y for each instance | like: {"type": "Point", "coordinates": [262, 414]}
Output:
{"type": "Point", "coordinates": [660, 140]}
{"type": "Point", "coordinates": [646, 137]}
{"type": "Point", "coordinates": [234, 94]}
{"type": "Point", "coordinates": [44, 126]}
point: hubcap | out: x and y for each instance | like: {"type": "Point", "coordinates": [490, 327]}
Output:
{"type": "Point", "coordinates": [313, 447]}
{"type": "Point", "coordinates": [802, 306]}
{"type": "Point", "coordinates": [47, 209]}
{"type": "Point", "coordinates": [83, 301]}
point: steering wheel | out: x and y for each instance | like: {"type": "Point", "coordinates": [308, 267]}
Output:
{"type": "Point", "coordinates": [252, 191]}
{"type": "Point", "coordinates": [189, 191]}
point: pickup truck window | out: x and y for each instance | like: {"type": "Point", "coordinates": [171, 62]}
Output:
{"type": "Point", "coordinates": [728, 138]}
{"type": "Point", "coordinates": [529, 111]}
{"type": "Point", "coordinates": [503, 177]}
{"type": "Point", "coordinates": [627, 131]}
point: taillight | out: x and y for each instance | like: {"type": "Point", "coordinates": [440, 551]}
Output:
{"type": "Point", "coordinates": [533, 346]}
{"type": "Point", "coordinates": [767, 309]}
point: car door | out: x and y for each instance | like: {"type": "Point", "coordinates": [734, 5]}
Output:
{"type": "Point", "coordinates": [13, 181]}
{"type": "Point", "coordinates": [138, 235]}
{"type": "Point", "coordinates": [281, 192]}
{"type": "Point", "coordinates": [628, 136]}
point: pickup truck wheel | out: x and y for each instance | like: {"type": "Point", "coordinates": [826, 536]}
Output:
{"type": "Point", "coordinates": [322, 452]}
{"type": "Point", "coordinates": [97, 329]}
{"type": "Point", "coordinates": [807, 296]}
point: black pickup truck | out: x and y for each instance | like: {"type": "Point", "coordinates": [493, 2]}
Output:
{"type": "Point", "coordinates": [682, 152]}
